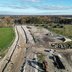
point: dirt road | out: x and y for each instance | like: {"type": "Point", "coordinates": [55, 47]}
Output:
{"type": "Point", "coordinates": [15, 56]}
{"type": "Point", "coordinates": [22, 57]}
{"type": "Point", "coordinates": [20, 53]}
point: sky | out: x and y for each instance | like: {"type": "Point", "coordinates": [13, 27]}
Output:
{"type": "Point", "coordinates": [35, 7]}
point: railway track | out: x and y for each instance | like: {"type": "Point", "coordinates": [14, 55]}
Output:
{"type": "Point", "coordinates": [9, 60]}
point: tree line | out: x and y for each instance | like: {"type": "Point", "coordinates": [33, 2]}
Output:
{"type": "Point", "coordinates": [12, 20]}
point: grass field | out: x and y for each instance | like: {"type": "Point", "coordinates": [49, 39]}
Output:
{"type": "Point", "coordinates": [7, 36]}
{"type": "Point", "coordinates": [66, 30]}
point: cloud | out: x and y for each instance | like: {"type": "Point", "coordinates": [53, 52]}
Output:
{"type": "Point", "coordinates": [32, 0]}
{"type": "Point", "coordinates": [25, 7]}
{"type": "Point", "coordinates": [54, 7]}
{"type": "Point", "coordinates": [32, 11]}
{"type": "Point", "coordinates": [15, 6]}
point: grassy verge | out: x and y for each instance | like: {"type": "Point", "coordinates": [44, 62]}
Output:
{"type": "Point", "coordinates": [41, 57]}
{"type": "Point", "coordinates": [66, 30]}
{"type": "Point", "coordinates": [7, 36]}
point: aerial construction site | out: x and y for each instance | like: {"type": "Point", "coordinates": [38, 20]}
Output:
{"type": "Point", "coordinates": [37, 49]}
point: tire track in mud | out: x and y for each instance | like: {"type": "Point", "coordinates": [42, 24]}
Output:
{"type": "Point", "coordinates": [9, 58]}
{"type": "Point", "coordinates": [33, 37]}
{"type": "Point", "coordinates": [27, 40]}
{"type": "Point", "coordinates": [25, 34]}
{"type": "Point", "coordinates": [11, 53]}
{"type": "Point", "coordinates": [23, 65]}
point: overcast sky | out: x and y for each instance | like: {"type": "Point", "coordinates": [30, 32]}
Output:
{"type": "Point", "coordinates": [36, 7]}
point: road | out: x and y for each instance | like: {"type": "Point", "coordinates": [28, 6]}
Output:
{"type": "Point", "coordinates": [20, 53]}
{"type": "Point", "coordinates": [29, 66]}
